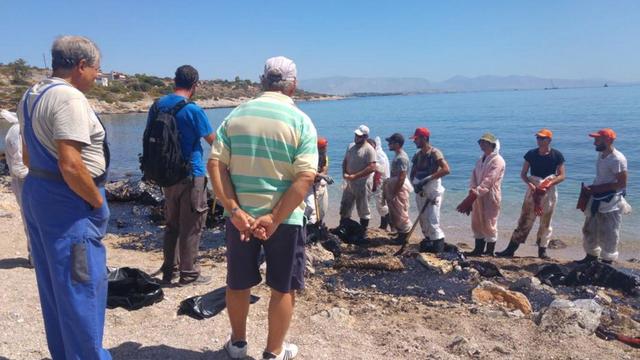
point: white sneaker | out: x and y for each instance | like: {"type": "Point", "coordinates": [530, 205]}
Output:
{"type": "Point", "coordinates": [237, 350]}
{"type": "Point", "coordinates": [289, 351]}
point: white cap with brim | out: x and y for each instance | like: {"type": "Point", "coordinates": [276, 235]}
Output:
{"type": "Point", "coordinates": [362, 130]}
{"type": "Point", "coordinates": [9, 116]}
{"type": "Point", "coordinates": [280, 66]}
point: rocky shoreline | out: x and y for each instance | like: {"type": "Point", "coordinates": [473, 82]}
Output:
{"type": "Point", "coordinates": [142, 106]}
{"type": "Point", "coordinates": [367, 304]}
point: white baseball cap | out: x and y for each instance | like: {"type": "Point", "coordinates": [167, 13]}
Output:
{"type": "Point", "coordinates": [362, 130]}
{"type": "Point", "coordinates": [280, 66]}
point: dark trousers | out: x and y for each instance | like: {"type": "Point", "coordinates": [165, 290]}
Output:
{"type": "Point", "coordinates": [185, 214]}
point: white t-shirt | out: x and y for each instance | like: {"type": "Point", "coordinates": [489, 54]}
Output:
{"type": "Point", "coordinates": [607, 168]}
{"type": "Point", "coordinates": [63, 113]}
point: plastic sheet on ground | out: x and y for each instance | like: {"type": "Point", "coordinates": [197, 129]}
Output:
{"type": "Point", "coordinates": [207, 305]}
{"type": "Point", "coordinates": [132, 289]}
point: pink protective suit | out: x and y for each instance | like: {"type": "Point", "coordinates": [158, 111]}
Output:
{"type": "Point", "coordinates": [486, 181]}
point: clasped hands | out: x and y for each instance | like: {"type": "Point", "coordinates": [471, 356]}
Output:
{"type": "Point", "coordinates": [261, 228]}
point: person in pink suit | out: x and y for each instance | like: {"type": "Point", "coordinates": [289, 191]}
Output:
{"type": "Point", "coordinates": [483, 201]}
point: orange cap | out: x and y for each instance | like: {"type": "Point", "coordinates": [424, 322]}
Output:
{"type": "Point", "coordinates": [607, 133]}
{"type": "Point", "coordinates": [545, 133]}
{"type": "Point", "coordinates": [424, 132]}
{"type": "Point", "coordinates": [322, 143]}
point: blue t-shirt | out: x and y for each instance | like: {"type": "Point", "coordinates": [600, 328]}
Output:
{"type": "Point", "coordinates": [193, 124]}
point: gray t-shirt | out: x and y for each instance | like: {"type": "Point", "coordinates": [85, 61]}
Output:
{"type": "Point", "coordinates": [358, 158]}
{"type": "Point", "coordinates": [63, 113]}
{"type": "Point", "coordinates": [609, 167]}
{"type": "Point", "coordinates": [400, 163]}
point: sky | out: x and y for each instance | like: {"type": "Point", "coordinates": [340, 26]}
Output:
{"type": "Point", "coordinates": [428, 39]}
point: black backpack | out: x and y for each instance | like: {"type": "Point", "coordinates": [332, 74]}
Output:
{"type": "Point", "coordinates": [162, 161]}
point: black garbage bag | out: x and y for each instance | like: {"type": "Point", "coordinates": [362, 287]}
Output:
{"type": "Point", "coordinates": [132, 289]}
{"type": "Point", "coordinates": [552, 275]}
{"type": "Point", "coordinates": [594, 273]}
{"type": "Point", "coordinates": [349, 231]}
{"type": "Point", "coordinates": [484, 268]}
{"type": "Point", "coordinates": [207, 305]}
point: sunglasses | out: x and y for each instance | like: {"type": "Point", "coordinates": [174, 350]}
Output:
{"type": "Point", "coordinates": [541, 138]}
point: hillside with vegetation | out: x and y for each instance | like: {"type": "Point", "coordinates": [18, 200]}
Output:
{"type": "Point", "coordinates": [134, 93]}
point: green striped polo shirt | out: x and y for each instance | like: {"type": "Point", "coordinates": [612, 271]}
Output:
{"type": "Point", "coordinates": [265, 143]}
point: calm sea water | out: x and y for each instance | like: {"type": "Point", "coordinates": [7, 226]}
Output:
{"type": "Point", "coordinates": [456, 121]}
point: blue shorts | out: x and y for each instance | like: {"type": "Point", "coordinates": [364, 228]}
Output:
{"type": "Point", "coordinates": [284, 252]}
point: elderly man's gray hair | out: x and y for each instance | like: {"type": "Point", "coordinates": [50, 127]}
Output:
{"type": "Point", "coordinates": [275, 82]}
{"type": "Point", "coordinates": [68, 50]}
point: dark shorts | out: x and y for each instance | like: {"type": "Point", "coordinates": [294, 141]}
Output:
{"type": "Point", "coordinates": [284, 252]}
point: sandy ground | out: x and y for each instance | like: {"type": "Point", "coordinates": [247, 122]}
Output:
{"type": "Point", "coordinates": [346, 314]}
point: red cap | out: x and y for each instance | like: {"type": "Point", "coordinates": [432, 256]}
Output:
{"type": "Point", "coordinates": [424, 132]}
{"type": "Point", "coordinates": [322, 143]}
{"type": "Point", "coordinates": [607, 133]}
{"type": "Point", "coordinates": [545, 133]}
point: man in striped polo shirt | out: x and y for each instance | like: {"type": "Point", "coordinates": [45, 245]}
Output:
{"type": "Point", "coordinates": [262, 165]}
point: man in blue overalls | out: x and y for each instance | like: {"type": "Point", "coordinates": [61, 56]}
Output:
{"type": "Point", "coordinates": [64, 202]}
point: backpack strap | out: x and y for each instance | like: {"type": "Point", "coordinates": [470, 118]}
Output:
{"type": "Point", "coordinates": [177, 107]}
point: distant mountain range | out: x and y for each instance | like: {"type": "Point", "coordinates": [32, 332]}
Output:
{"type": "Point", "coordinates": [343, 85]}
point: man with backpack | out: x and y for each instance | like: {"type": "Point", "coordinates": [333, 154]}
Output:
{"type": "Point", "coordinates": [172, 158]}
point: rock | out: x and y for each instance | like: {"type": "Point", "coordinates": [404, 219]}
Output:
{"type": "Point", "coordinates": [602, 298]}
{"type": "Point", "coordinates": [317, 254]}
{"type": "Point", "coordinates": [390, 263]}
{"type": "Point", "coordinates": [462, 346]}
{"type": "Point", "coordinates": [557, 244]}
{"type": "Point", "coordinates": [441, 292]}
{"type": "Point", "coordinates": [501, 350]}
{"type": "Point", "coordinates": [334, 314]}
{"type": "Point", "coordinates": [526, 284]}
{"type": "Point", "coordinates": [571, 318]}
{"type": "Point", "coordinates": [490, 293]}
{"type": "Point", "coordinates": [431, 262]}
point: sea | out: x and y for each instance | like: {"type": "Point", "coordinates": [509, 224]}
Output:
{"type": "Point", "coordinates": [456, 121]}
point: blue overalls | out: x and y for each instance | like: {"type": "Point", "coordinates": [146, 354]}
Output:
{"type": "Point", "coordinates": [69, 258]}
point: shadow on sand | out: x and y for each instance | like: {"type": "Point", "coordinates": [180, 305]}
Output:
{"type": "Point", "coordinates": [133, 350]}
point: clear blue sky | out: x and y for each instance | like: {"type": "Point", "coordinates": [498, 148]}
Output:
{"type": "Point", "coordinates": [429, 39]}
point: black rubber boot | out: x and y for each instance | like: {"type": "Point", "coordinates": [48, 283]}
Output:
{"type": "Point", "coordinates": [401, 239]}
{"type": "Point", "coordinates": [438, 246]}
{"type": "Point", "coordinates": [384, 222]}
{"type": "Point", "coordinates": [542, 253]}
{"type": "Point", "coordinates": [491, 247]}
{"type": "Point", "coordinates": [426, 245]}
{"type": "Point", "coordinates": [587, 259]}
{"type": "Point", "coordinates": [509, 251]}
{"type": "Point", "coordinates": [478, 249]}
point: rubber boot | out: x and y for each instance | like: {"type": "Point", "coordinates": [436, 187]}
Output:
{"type": "Point", "coordinates": [509, 251]}
{"type": "Point", "coordinates": [478, 249]}
{"type": "Point", "coordinates": [438, 246]}
{"type": "Point", "coordinates": [491, 247]}
{"type": "Point", "coordinates": [542, 253]}
{"type": "Point", "coordinates": [363, 239]}
{"type": "Point", "coordinates": [587, 259]}
{"type": "Point", "coordinates": [426, 245]}
{"type": "Point", "coordinates": [384, 222]}
{"type": "Point", "coordinates": [401, 239]}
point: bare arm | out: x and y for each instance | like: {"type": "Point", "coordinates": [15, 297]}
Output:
{"type": "Point", "coordinates": [25, 154]}
{"type": "Point", "coordinates": [223, 188]}
{"type": "Point", "coordinates": [75, 172]}
{"type": "Point", "coordinates": [524, 175]}
{"type": "Point", "coordinates": [560, 175]}
{"type": "Point", "coordinates": [443, 170]}
{"type": "Point", "coordinates": [364, 172]}
{"type": "Point", "coordinates": [210, 138]}
{"type": "Point", "coordinates": [621, 183]}
{"type": "Point", "coordinates": [400, 182]}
